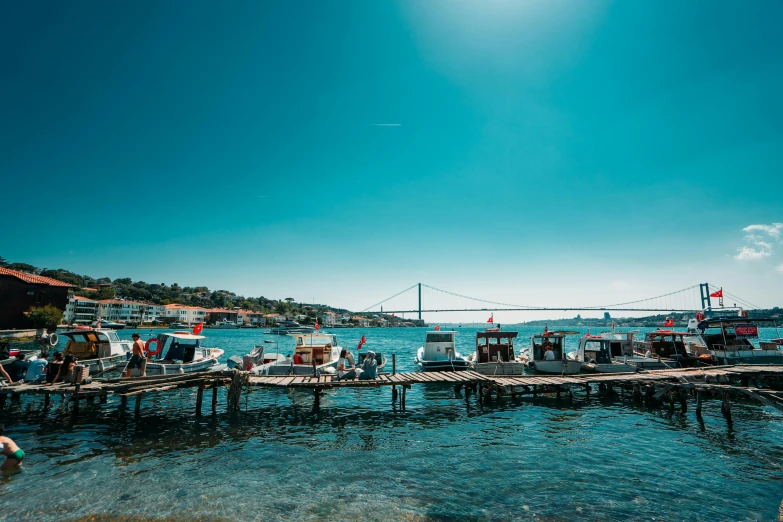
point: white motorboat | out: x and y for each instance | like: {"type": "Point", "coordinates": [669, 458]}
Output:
{"type": "Point", "coordinates": [439, 353]}
{"type": "Point", "coordinates": [225, 324]}
{"type": "Point", "coordinates": [595, 354]}
{"type": "Point", "coordinates": [729, 340]}
{"type": "Point", "coordinates": [291, 328]}
{"type": "Point", "coordinates": [315, 353]}
{"type": "Point", "coordinates": [100, 349]}
{"type": "Point", "coordinates": [556, 362]}
{"type": "Point", "coordinates": [179, 352]}
{"type": "Point", "coordinates": [494, 354]}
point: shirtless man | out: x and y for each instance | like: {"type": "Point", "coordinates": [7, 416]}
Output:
{"type": "Point", "coordinates": [137, 359]}
{"type": "Point", "coordinates": [13, 455]}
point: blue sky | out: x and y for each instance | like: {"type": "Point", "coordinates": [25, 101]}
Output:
{"type": "Point", "coordinates": [540, 152]}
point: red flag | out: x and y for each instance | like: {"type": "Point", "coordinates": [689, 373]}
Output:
{"type": "Point", "coordinates": [612, 325]}
{"type": "Point", "coordinates": [198, 328]}
{"type": "Point", "coordinates": [361, 343]}
{"type": "Point", "coordinates": [316, 324]}
{"type": "Point", "coordinates": [437, 327]}
{"type": "Point", "coordinates": [719, 293]}
{"type": "Point", "coordinates": [668, 322]}
{"type": "Point", "coordinates": [491, 320]}
{"type": "Point", "coordinates": [98, 324]}
{"type": "Point", "coordinates": [392, 314]}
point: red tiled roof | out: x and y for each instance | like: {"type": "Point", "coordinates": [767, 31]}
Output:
{"type": "Point", "coordinates": [34, 279]}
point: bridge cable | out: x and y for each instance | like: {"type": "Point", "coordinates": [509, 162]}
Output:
{"type": "Point", "coordinates": [389, 298]}
{"type": "Point", "coordinates": [477, 299]}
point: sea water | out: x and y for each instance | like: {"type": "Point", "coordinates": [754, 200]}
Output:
{"type": "Point", "coordinates": [360, 458]}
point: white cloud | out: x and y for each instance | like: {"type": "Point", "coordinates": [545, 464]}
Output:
{"type": "Point", "coordinates": [780, 268]}
{"type": "Point", "coordinates": [757, 247]}
{"type": "Point", "coordinates": [749, 254]}
{"type": "Point", "coordinates": [772, 230]}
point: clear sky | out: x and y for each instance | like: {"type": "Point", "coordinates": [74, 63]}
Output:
{"type": "Point", "coordinates": [529, 152]}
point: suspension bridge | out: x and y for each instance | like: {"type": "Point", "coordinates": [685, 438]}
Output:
{"type": "Point", "coordinates": [691, 299]}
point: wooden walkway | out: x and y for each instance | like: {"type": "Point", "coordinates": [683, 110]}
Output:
{"type": "Point", "coordinates": [763, 383]}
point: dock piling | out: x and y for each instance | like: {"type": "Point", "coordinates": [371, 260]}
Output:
{"type": "Point", "coordinates": [199, 398]}
{"type": "Point", "coordinates": [698, 403]}
{"type": "Point", "coordinates": [394, 364]}
{"type": "Point", "coordinates": [214, 396]}
{"type": "Point", "coordinates": [137, 410]}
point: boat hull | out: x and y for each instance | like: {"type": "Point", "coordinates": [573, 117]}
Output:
{"type": "Point", "coordinates": [441, 365]}
{"type": "Point", "coordinates": [556, 367]}
{"type": "Point", "coordinates": [748, 356]}
{"type": "Point", "coordinates": [504, 368]}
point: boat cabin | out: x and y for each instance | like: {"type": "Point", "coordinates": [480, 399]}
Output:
{"type": "Point", "coordinates": [439, 346]}
{"type": "Point", "coordinates": [318, 348]}
{"type": "Point", "coordinates": [87, 343]}
{"type": "Point", "coordinates": [539, 343]}
{"type": "Point", "coordinates": [495, 346]}
{"type": "Point", "coordinates": [731, 333]}
{"type": "Point", "coordinates": [667, 343]}
{"type": "Point", "coordinates": [620, 343]}
{"type": "Point", "coordinates": [181, 347]}
{"type": "Point", "coordinates": [595, 349]}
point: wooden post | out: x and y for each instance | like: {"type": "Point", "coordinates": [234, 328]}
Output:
{"type": "Point", "coordinates": [104, 398]}
{"type": "Point", "coordinates": [316, 398]}
{"type": "Point", "coordinates": [214, 396]}
{"type": "Point", "coordinates": [199, 397]}
{"type": "Point", "coordinates": [394, 364]}
{"type": "Point", "coordinates": [683, 400]}
{"type": "Point", "coordinates": [137, 410]}
{"type": "Point", "coordinates": [402, 401]}
{"type": "Point", "coordinates": [315, 371]}
{"type": "Point", "coordinates": [698, 403]}
{"type": "Point", "coordinates": [588, 388]}
{"type": "Point", "coordinates": [535, 390]}
{"type": "Point", "coordinates": [47, 399]}
{"type": "Point", "coordinates": [637, 392]}
{"type": "Point", "coordinates": [394, 394]}
{"type": "Point", "coordinates": [726, 407]}
{"type": "Point", "coordinates": [124, 402]}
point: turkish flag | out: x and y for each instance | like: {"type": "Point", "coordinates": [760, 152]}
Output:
{"type": "Point", "coordinates": [437, 327]}
{"type": "Point", "coordinates": [668, 322]}
{"type": "Point", "coordinates": [361, 343]}
{"type": "Point", "coordinates": [198, 328]}
{"type": "Point", "coordinates": [719, 293]}
{"type": "Point", "coordinates": [491, 320]}
{"type": "Point", "coordinates": [316, 325]}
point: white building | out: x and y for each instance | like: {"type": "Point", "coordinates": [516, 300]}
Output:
{"type": "Point", "coordinates": [189, 315]}
{"type": "Point", "coordinates": [119, 310]}
{"type": "Point", "coordinates": [80, 310]}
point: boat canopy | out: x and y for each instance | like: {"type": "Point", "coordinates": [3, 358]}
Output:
{"type": "Point", "coordinates": [92, 335]}
{"type": "Point", "coordinates": [728, 322]}
{"type": "Point", "coordinates": [441, 336]}
{"type": "Point", "coordinates": [182, 336]}
{"type": "Point", "coordinates": [314, 339]}
{"type": "Point", "coordinates": [496, 335]}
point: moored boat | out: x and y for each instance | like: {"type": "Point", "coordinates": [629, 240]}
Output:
{"type": "Point", "coordinates": [179, 352]}
{"type": "Point", "coordinates": [547, 354]}
{"type": "Point", "coordinates": [312, 352]}
{"type": "Point", "coordinates": [290, 328]}
{"type": "Point", "coordinates": [225, 324]}
{"type": "Point", "coordinates": [671, 348]}
{"type": "Point", "coordinates": [596, 355]}
{"type": "Point", "coordinates": [100, 349]}
{"type": "Point", "coordinates": [495, 354]}
{"type": "Point", "coordinates": [730, 341]}
{"type": "Point", "coordinates": [439, 353]}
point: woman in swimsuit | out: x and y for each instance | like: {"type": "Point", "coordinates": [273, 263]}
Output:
{"type": "Point", "coordinates": [13, 455]}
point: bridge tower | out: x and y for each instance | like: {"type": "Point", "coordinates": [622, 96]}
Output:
{"type": "Point", "coordinates": [419, 301]}
{"type": "Point", "coordinates": [706, 302]}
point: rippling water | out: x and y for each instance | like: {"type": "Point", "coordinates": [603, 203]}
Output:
{"type": "Point", "coordinates": [360, 458]}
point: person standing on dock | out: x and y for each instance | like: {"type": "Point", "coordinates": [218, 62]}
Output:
{"type": "Point", "coordinates": [13, 455]}
{"type": "Point", "coordinates": [138, 359]}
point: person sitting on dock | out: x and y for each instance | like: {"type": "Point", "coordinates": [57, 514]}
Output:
{"type": "Point", "coordinates": [549, 355]}
{"type": "Point", "coordinates": [13, 455]}
{"type": "Point", "coordinates": [53, 368]}
{"type": "Point", "coordinates": [18, 369]}
{"type": "Point", "coordinates": [36, 370]}
{"type": "Point", "coordinates": [342, 373]}
{"type": "Point", "coordinates": [369, 367]}
{"type": "Point", "coordinates": [65, 369]}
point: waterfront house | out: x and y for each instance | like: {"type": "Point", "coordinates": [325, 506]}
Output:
{"type": "Point", "coordinates": [19, 291]}
{"type": "Point", "coordinates": [125, 311]}
{"type": "Point", "coordinates": [80, 310]}
{"type": "Point", "coordinates": [178, 313]}
{"type": "Point", "coordinates": [221, 315]}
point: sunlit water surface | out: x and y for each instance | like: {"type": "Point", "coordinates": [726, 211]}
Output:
{"type": "Point", "coordinates": [361, 458]}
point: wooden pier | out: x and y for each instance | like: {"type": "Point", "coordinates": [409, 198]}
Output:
{"type": "Point", "coordinates": [653, 388]}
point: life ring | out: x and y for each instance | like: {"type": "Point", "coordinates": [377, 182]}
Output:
{"type": "Point", "coordinates": [700, 316]}
{"type": "Point", "coordinates": [157, 345]}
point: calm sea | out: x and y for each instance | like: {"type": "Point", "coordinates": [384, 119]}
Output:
{"type": "Point", "coordinates": [360, 458]}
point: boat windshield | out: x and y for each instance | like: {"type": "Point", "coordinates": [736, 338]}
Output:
{"type": "Point", "coordinates": [316, 340]}
{"type": "Point", "coordinates": [181, 350]}
{"type": "Point", "coordinates": [440, 338]}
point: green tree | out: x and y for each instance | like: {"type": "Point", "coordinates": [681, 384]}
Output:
{"type": "Point", "coordinates": [45, 317]}
{"type": "Point", "coordinates": [106, 293]}
{"type": "Point", "coordinates": [3, 262]}
{"type": "Point", "coordinates": [607, 316]}
{"type": "Point", "coordinates": [289, 299]}
{"type": "Point", "coordinates": [247, 305]}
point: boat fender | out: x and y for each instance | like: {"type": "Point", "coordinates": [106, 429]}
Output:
{"type": "Point", "coordinates": [53, 339]}
{"type": "Point", "coordinates": [158, 347]}
{"type": "Point", "coordinates": [700, 317]}
{"type": "Point", "coordinates": [100, 365]}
